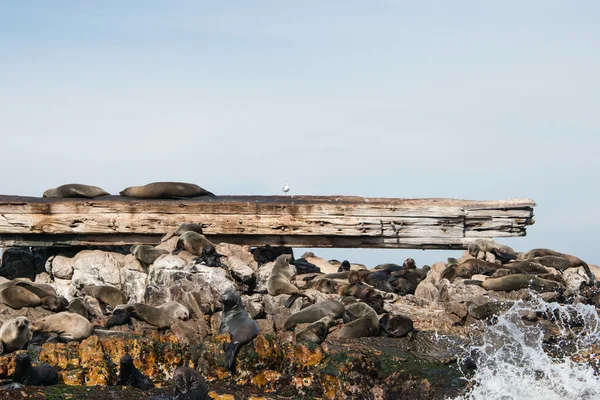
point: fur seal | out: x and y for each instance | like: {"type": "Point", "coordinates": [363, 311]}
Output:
{"type": "Point", "coordinates": [192, 242]}
{"type": "Point", "coordinates": [106, 294]}
{"type": "Point", "coordinates": [395, 325]}
{"type": "Point", "coordinates": [130, 376]}
{"type": "Point", "coordinates": [69, 326]}
{"type": "Point", "coordinates": [146, 254]}
{"type": "Point", "coordinates": [188, 227]}
{"type": "Point", "coordinates": [279, 281]}
{"type": "Point", "coordinates": [175, 310]}
{"type": "Point", "coordinates": [237, 322]}
{"type": "Point", "coordinates": [512, 282]}
{"type": "Point", "coordinates": [304, 267]}
{"type": "Point", "coordinates": [18, 297]}
{"type": "Point", "coordinates": [157, 317]}
{"type": "Point", "coordinates": [14, 335]}
{"type": "Point", "coordinates": [479, 247]}
{"type": "Point", "coordinates": [40, 375]}
{"type": "Point", "coordinates": [119, 317]}
{"type": "Point", "coordinates": [324, 285]}
{"type": "Point", "coordinates": [48, 299]}
{"type": "Point", "coordinates": [189, 384]}
{"type": "Point", "coordinates": [316, 332]}
{"type": "Point", "coordinates": [312, 313]}
{"type": "Point", "coordinates": [266, 254]}
{"type": "Point", "coordinates": [344, 266]}
{"type": "Point", "coordinates": [364, 293]}
{"type": "Point", "coordinates": [77, 306]}
{"type": "Point", "coordinates": [76, 190]}
{"type": "Point", "coordinates": [210, 257]}
{"type": "Point", "coordinates": [360, 320]}
{"type": "Point", "coordinates": [406, 280]}
{"type": "Point", "coordinates": [165, 190]}
{"type": "Point", "coordinates": [575, 261]}
{"type": "Point", "coordinates": [558, 263]}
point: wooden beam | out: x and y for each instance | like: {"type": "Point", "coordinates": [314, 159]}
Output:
{"type": "Point", "coordinates": [306, 221]}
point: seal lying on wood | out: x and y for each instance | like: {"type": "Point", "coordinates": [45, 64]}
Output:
{"type": "Point", "coordinates": [76, 190]}
{"type": "Point", "coordinates": [165, 190]}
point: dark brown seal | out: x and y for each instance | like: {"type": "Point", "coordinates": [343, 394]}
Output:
{"type": "Point", "coordinates": [165, 190]}
{"type": "Point", "coordinates": [76, 190]}
{"type": "Point", "coordinates": [237, 322]}
{"type": "Point", "coordinates": [40, 375]}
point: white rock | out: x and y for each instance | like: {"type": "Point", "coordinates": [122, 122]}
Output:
{"type": "Point", "coordinates": [62, 267]}
{"type": "Point", "coordinates": [427, 291]}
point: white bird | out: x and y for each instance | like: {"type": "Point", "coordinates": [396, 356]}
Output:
{"type": "Point", "coordinates": [286, 188]}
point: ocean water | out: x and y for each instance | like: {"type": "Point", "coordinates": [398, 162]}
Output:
{"type": "Point", "coordinates": [514, 363]}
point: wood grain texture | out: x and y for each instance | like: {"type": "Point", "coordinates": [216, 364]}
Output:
{"type": "Point", "coordinates": [307, 221]}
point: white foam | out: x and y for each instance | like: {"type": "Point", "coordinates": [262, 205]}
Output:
{"type": "Point", "coordinates": [514, 366]}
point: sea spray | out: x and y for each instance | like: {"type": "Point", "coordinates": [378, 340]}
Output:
{"type": "Point", "coordinates": [515, 362]}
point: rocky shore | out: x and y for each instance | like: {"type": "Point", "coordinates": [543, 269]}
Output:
{"type": "Point", "coordinates": [447, 310]}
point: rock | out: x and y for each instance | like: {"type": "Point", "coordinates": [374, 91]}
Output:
{"type": "Point", "coordinates": [240, 270]}
{"type": "Point", "coordinates": [459, 292]}
{"type": "Point", "coordinates": [458, 309]}
{"type": "Point", "coordinates": [242, 253]}
{"type": "Point", "coordinates": [574, 277]}
{"type": "Point", "coordinates": [64, 288]}
{"type": "Point", "coordinates": [133, 284]}
{"type": "Point", "coordinates": [171, 279]}
{"type": "Point", "coordinates": [433, 276]}
{"type": "Point", "coordinates": [61, 267]}
{"type": "Point", "coordinates": [190, 332]}
{"type": "Point", "coordinates": [254, 305]}
{"type": "Point", "coordinates": [465, 256]}
{"type": "Point", "coordinates": [169, 245]}
{"type": "Point", "coordinates": [18, 262]}
{"type": "Point", "coordinates": [274, 306]}
{"type": "Point", "coordinates": [427, 291]}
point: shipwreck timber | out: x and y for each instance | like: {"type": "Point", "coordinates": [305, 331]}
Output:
{"type": "Point", "coordinates": [298, 221]}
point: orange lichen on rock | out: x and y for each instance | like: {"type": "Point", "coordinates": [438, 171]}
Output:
{"type": "Point", "coordinates": [91, 355]}
{"type": "Point", "coordinates": [72, 377]}
{"type": "Point", "coordinates": [60, 355]}
{"type": "Point", "coordinates": [265, 377]}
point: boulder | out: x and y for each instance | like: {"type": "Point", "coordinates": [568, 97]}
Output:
{"type": "Point", "coordinates": [427, 291]}
{"type": "Point", "coordinates": [18, 262]}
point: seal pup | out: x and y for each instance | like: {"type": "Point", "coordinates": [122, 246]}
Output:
{"type": "Point", "coordinates": [175, 310]}
{"type": "Point", "coordinates": [77, 306]}
{"type": "Point", "coordinates": [69, 326]}
{"type": "Point", "coordinates": [316, 332]}
{"type": "Point", "coordinates": [344, 266]}
{"type": "Point", "coordinates": [14, 335]}
{"type": "Point", "coordinates": [157, 317]}
{"type": "Point", "coordinates": [40, 375]}
{"type": "Point", "coordinates": [192, 242]}
{"type": "Point", "coordinates": [210, 257]}
{"type": "Point", "coordinates": [360, 320]}
{"type": "Point", "coordinates": [237, 322]}
{"type": "Point", "coordinates": [129, 375]}
{"type": "Point", "coordinates": [314, 312]}
{"type": "Point", "coordinates": [189, 384]}
{"type": "Point", "coordinates": [119, 317]}
{"type": "Point", "coordinates": [512, 282]}
{"type": "Point", "coordinates": [146, 254]}
{"type": "Point", "coordinates": [106, 294]}
{"type": "Point", "coordinates": [76, 190]}
{"type": "Point", "coordinates": [165, 190]}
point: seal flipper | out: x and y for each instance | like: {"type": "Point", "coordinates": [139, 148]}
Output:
{"type": "Point", "coordinates": [472, 282]}
{"type": "Point", "coordinates": [230, 354]}
{"type": "Point", "coordinates": [292, 299]}
{"type": "Point", "coordinates": [589, 273]}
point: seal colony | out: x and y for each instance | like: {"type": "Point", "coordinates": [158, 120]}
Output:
{"type": "Point", "coordinates": [188, 289]}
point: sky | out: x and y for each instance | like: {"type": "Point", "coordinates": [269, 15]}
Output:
{"type": "Point", "coordinates": [462, 99]}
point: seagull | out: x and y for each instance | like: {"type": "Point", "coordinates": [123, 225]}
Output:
{"type": "Point", "coordinates": [286, 188]}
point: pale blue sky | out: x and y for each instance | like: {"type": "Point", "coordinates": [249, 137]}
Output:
{"type": "Point", "coordinates": [464, 99]}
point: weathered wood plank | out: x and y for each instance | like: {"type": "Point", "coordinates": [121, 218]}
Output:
{"type": "Point", "coordinates": [308, 221]}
